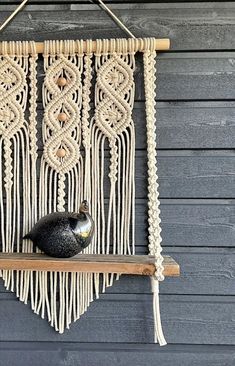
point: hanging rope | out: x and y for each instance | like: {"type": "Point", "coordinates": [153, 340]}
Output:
{"type": "Point", "coordinates": [153, 201]}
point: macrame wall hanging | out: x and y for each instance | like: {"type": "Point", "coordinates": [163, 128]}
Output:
{"type": "Point", "coordinates": [88, 153]}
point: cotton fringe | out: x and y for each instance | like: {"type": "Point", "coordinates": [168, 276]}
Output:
{"type": "Point", "coordinates": [113, 150]}
{"type": "Point", "coordinates": [18, 193]}
{"type": "Point", "coordinates": [61, 186]}
{"type": "Point", "coordinates": [108, 144]}
{"type": "Point", "coordinates": [89, 156]}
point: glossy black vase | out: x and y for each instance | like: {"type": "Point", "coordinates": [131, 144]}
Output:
{"type": "Point", "coordinates": [63, 234]}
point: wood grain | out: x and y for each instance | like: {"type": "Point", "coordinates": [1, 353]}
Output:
{"type": "Point", "coordinates": [185, 76]}
{"type": "Point", "coordinates": [190, 26]}
{"type": "Point", "coordinates": [205, 271]}
{"type": "Point", "coordinates": [184, 125]}
{"type": "Point", "coordinates": [183, 174]}
{"type": "Point", "coordinates": [71, 354]}
{"type": "Point", "coordinates": [189, 223]}
{"type": "Point", "coordinates": [122, 318]}
{"type": "Point", "coordinates": [197, 223]}
{"type": "Point", "coordinates": [137, 265]}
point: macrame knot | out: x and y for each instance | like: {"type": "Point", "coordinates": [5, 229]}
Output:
{"type": "Point", "coordinates": [114, 160]}
{"type": "Point", "coordinates": [8, 164]}
{"type": "Point", "coordinates": [86, 96]}
{"type": "Point", "coordinates": [158, 275]}
{"type": "Point", "coordinates": [67, 176]}
{"type": "Point", "coordinates": [33, 98]}
{"type": "Point", "coordinates": [68, 99]}
{"type": "Point", "coordinates": [61, 193]}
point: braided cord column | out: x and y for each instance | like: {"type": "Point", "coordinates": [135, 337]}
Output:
{"type": "Point", "coordinates": [61, 185]}
{"type": "Point", "coordinates": [113, 130]}
{"type": "Point", "coordinates": [89, 279]}
{"type": "Point", "coordinates": [153, 200]}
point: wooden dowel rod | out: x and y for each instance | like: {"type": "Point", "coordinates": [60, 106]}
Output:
{"type": "Point", "coordinates": [160, 45]}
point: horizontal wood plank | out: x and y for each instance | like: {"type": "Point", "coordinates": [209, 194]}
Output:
{"type": "Point", "coordinates": [197, 223]}
{"type": "Point", "coordinates": [50, 354]}
{"type": "Point", "coordinates": [193, 76]}
{"type": "Point", "coordinates": [205, 271]}
{"type": "Point", "coordinates": [123, 264]}
{"type": "Point", "coordinates": [126, 2]}
{"type": "Point", "coordinates": [190, 26]}
{"type": "Point", "coordinates": [190, 223]}
{"type": "Point", "coordinates": [128, 318]}
{"type": "Point", "coordinates": [190, 125]}
{"type": "Point", "coordinates": [183, 174]}
{"type": "Point", "coordinates": [196, 174]}
{"type": "Point", "coordinates": [184, 125]}
{"type": "Point", "coordinates": [184, 76]}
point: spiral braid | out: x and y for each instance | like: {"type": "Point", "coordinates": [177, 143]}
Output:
{"type": "Point", "coordinates": [154, 221]}
{"type": "Point", "coordinates": [86, 91]}
{"type": "Point", "coordinates": [153, 195]}
{"type": "Point", "coordinates": [113, 160]}
{"type": "Point", "coordinates": [8, 165]}
{"type": "Point", "coordinates": [33, 101]}
{"type": "Point", "coordinates": [61, 192]}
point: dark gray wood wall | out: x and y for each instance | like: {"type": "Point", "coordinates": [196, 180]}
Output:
{"type": "Point", "coordinates": [196, 141]}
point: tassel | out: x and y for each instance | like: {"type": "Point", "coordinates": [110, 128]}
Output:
{"type": "Point", "coordinates": [158, 333]}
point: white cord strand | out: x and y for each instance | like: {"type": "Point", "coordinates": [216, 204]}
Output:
{"type": "Point", "coordinates": [153, 200]}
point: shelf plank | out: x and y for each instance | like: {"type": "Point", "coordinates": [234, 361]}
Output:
{"type": "Point", "coordinates": [97, 263]}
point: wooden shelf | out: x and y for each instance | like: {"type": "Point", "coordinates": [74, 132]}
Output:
{"type": "Point", "coordinates": [97, 263]}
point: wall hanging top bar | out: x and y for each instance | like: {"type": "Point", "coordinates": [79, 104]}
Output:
{"type": "Point", "coordinates": [161, 44]}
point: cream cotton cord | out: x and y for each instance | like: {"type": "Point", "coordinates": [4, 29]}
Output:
{"type": "Point", "coordinates": [86, 155]}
